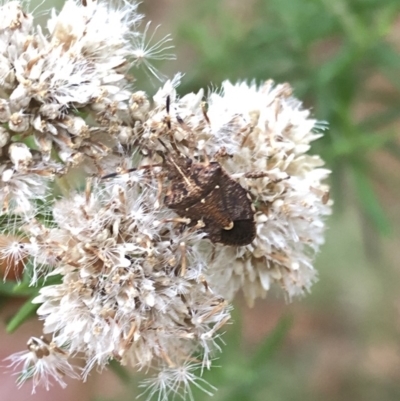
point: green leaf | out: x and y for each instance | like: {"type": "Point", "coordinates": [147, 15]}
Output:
{"type": "Point", "coordinates": [27, 310]}
{"type": "Point", "coordinates": [7, 287]}
{"type": "Point", "coordinates": [370, 202]}
{"type": "Point", "coordinates": [25, 288]}
{"type": "Point", "coordinates": [120, 371]}
{"type": "Point", "coordinates": [12, 289]}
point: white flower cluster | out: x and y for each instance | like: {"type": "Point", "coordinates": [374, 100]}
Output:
{"type": "Point", "coordinates": [64, 93]}
{"type": "Point", "coordinates": [132, 286]}
{"type": "Point", "coordinates": [260, 136]}
{"type": "Point", "coordinates": [137, 283]}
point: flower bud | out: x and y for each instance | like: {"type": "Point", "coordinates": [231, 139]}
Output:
{"type": "Point", "coordinates": [4, 137]}
{"type": "Point", "coordinates": [4, 110]}
{"type": "Point", "coordinates": [19, 122]}
{"type": "Point", "coordinates": [13, 256]}
{"type": "Point", "coordinates": [19, 154]}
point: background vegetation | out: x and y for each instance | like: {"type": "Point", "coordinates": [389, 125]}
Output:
{"type": "Point", "coordinates": [342, 59]}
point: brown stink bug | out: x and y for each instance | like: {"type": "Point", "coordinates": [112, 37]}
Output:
{"type": "Point", "coordinates": [205, 192]}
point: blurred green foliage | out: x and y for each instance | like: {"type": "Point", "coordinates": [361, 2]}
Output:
{"type": "Point", "coordinates": [330, 52]}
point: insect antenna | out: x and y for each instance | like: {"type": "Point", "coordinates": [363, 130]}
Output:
{"type": "Point", "coordinates": [122, 172]}
{"type": "Point", "coordinates": [167, 108]}
{"type": "Point", "coordinates": [164, 146]}
{"type": "Point", "coordinates": [167, 121]}
{"type": "Point", "coordinates": [174, 164]}
{"type": "Point", "coordinates": [111, 175]}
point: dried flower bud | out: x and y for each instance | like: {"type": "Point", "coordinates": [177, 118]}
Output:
{"type": "Point", "coordinates": [125, 135]}
{"type": "Point", "coordinates": [7, 75]}
{"type": "Point", "coordinates": [19, 154]}
{"type": "Point", "coordinates": [76, 126]}
{"type": "Point", "coordinates": [139, 105]}
{"type": "Point", "coordinates": [20, 97]}
{"type": "Point", "coordinates": [13, 18]}
{"type": "Point", "coordinates": [19, 122]}
{"type": "Point", "coordinates": [4, 137]}
{"type": "Point", "coordinates": [50, 111]}
{"type": "Point", "coordinates": [43, 142]}
{"type": "Point", "coordinates": [43, 360]}
{"type": "Point", "coordinates": [4, 110]}
{"type": "Point", "coordinates": [6, 175]}
{"type": "Point", "coordinates": [13, 256]}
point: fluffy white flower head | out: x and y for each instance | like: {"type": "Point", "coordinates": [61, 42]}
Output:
{"type": "Point", "coordinates": [260, 136]}
{"type": "Point", "coordinates": [125, 273]}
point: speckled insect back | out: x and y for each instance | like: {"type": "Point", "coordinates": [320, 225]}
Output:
{"type": "Point", "coordinates": [206, 195]}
